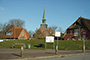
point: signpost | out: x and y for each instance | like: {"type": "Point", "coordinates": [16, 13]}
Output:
{"type": "Point", "coordinates": [57, 34]}
{"type": "Point", "coordinates": [84, 33]}
{"type": "Point", "coordinates": [49, 39]}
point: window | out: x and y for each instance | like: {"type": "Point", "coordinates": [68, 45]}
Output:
{"type": "Point", "coordinates": [23, 34]}
{"type": "Point", "coordinates": [83, 30]}
{"type": "Point", "coordinates": [69, 39]}
{"type": "Point", "coordinates": [86, 39]}
{"type": "Point", "coordinates": [76, 32]}
{"type": "Point", "coordinates": [73, 39]}
{"type": "Point", "coordinates": [71, 32]}
{"type": "Point", "coordinates": [9, 33]}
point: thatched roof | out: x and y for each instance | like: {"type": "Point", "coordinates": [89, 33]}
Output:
{"type": "Point", "coordinates": [81, 22]}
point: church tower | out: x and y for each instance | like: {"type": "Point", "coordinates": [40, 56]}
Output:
{"type": "Point", "coordinates": [44, 20]}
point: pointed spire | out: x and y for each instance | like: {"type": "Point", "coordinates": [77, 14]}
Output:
{"type": "Point", "coordinates": [44, 13]}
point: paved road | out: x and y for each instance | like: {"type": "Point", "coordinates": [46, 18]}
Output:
{"type": "Point", "coordinates": [79, 57]}
{"type": "Point", "coordinates": [15, 53]}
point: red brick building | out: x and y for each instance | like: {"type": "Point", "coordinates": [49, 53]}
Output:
{"type": "Point", "coordinates": [75, 31]}
{"type": "Point", "coordinates": [17, 33]}
{"type": "Point", "coordinates": [44, 30]}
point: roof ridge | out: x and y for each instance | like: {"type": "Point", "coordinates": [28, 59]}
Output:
{"type": "Point", "coordinates": [84, 18]}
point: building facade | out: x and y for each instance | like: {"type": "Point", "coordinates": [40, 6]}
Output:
{"type": "Point", "coordinates": [75, 31]}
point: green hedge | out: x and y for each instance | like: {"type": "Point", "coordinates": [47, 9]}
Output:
{"type": "Point", "coordinates": [40, 44]}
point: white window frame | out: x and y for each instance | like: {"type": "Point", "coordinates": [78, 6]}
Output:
{"type": "Point", "coordinates": [71, 32]}
{"type": "Point", "coordinates": [23, 34]}
{"type": "Point", "coordinates": [9, 33]}
{"type": "Point", "coordinates": [76, 32]}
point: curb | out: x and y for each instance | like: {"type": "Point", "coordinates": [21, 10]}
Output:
{"type": "Point", "coordinates": [65, 55]}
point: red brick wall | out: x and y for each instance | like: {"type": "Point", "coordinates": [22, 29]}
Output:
{"type": "Point", "coordinates": [87, 34]}
{"type": "Point", "coordinates": [23, 37]}
{"type": "Point", "coordinates": [68, 35]}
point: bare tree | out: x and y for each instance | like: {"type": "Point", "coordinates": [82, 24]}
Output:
{"type": "Point", "coordinates": [59, 29]}
{"type": "Point", "coordinates": [17, 22]}
{"type": "Point", "coordinates": [1, 31]}
{"type": "Point", "coordinates": [1, 27]}
{"type": "Point", "coordinates": [54, 27]}
{"type": "Point", "coordinates": [4, 28]}
{"type": "Point", "coordinates": [31, 32]}
{"type": "Point", "coordinates": [36, 29]}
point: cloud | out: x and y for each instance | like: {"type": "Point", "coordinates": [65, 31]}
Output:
{"type": "Point", "coordinates": [1, 8]}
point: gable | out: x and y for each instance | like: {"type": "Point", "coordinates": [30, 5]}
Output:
{"type": "Point", "coordinates": [51, 32]}
{"type": "Point", "coordinates": [43, 30]}
{"type": "Point", "coordinates": [38, 34]}
{"type": "Point", "coordinates": [87, 24]}
{"type": "Point", "coordinates": [22, 34]}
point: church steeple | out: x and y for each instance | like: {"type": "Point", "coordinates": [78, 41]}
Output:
{"type": "Point", "coordinates": [44, 20]}
{"type": "Point", "coordinates": [44, 14]}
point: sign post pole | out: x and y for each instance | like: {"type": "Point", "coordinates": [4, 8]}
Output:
{"type": "Point", "coordinates": [83, 43]}
{"type": "Point", "coordinates": [57, 47]}
{"type": "Point", "coordinates": [57, 41]}
{"type": "Point", "coordinates": [57, 34]}
{"type": "Point", "coordinates": [84, 33]}
{"type": "Point", "coordinates": [45, 44]}
{"type": "Point", "coordinates": [49, 39]}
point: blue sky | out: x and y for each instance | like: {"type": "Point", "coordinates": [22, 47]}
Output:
{"type": "Point", "coordinates": [58, 12]}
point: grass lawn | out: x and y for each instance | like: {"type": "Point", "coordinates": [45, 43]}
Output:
{"type": "Point", "coordinates": [40, 44]}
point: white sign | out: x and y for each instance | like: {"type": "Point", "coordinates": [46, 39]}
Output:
{"type": "Point", "coordinates": [57, 34]}
{"type": "Point", "coordinates": [50, 39]}
{"type": "Point", "coordinates": [1, 40]}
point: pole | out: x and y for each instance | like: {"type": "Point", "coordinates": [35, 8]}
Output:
{"type": "Point", "coordinates": [53, 45]}
{"type": "Point", "coordinates": [83, 43]}
{"type": "Point", "coordinates": [21, 51]}
{"type": "Point", "coordinates": [57, 47]}
{"type": "Point", "coordinates": [57, 41]}
{"type": "Point", "coordinates": [45, 44]}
